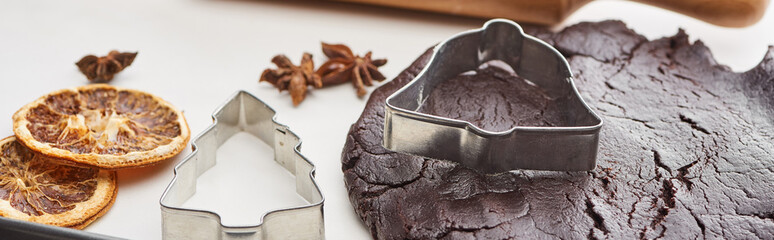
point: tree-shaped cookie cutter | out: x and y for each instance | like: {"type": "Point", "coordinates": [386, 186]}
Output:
{"type": "Point", "coordinates": [243, 112]}
{"type": "Point", "coordinates": [564, 148]}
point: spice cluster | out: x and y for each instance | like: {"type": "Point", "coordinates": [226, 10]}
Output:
{"type": "Point", "coordinates": [342, 66]}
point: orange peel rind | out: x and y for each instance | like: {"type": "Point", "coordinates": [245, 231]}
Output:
{"type": "Point", "coordinates": [102, 126]}
{"type": "Point", "coordinates": [35, 188]}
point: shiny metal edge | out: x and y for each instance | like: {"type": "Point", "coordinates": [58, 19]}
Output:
{"type": "Point", "coordinates": [300, 222]}
{"type": "Point", "coordinates": [18, 229]}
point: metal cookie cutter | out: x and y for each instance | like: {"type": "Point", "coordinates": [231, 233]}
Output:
{"type": "Point", "coordinates": [243, 112]}
{"type": "Point", "coordinates": [572, 147]}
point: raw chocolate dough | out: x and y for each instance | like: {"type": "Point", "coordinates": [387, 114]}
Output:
{"type": "Point", "coordinates": [687, 151]}
{"type": "Point", "coordinates": [519, 103]}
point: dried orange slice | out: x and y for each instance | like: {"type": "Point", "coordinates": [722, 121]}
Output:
{"type": "Point", "coordinates": [36, 188]}
{"type": "Point", "coordinates": [102, 126]}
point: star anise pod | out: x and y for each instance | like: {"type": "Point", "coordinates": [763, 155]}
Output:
{"type": "Point", "coordinates": [102, 69]}
{"type": "Point", "coordinates": [343, 66]}
{"type": "Point", "coordinates": [293, 78]}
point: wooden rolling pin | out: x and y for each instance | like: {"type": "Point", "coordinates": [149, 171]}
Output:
{"type": "Point", "coordinates": [727, 13]}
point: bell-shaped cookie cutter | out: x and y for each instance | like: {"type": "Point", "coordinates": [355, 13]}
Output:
{"type": "Point", "coordinates": [243, 112]}
{"type": "Point", "coordinates": [572, 147]}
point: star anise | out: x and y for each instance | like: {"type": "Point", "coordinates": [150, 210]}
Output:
{"type": "Point", "coordinates": [343, 66]}
{"type": "Point", "coordinates": [102, 69]}
{"type": "Point", "coordinates": [293, 78]}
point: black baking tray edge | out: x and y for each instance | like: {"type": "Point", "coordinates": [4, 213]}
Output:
{"type": "Point", "coordinates": [16, 229]}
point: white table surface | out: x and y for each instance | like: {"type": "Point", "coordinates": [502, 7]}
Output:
{"type": "Point", "coordinates": [196, 53]}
